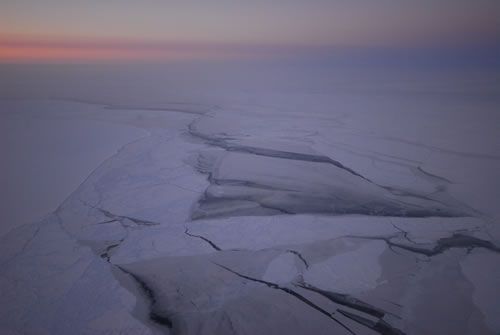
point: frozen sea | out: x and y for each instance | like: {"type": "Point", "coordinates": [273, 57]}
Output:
{"type": "Point", "coordinates": [52, 155]}
{"type": "Point", "coordinates": [249, 199]}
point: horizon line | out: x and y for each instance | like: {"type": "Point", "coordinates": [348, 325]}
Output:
{"type": "Point", "coordinates": [37, 48]}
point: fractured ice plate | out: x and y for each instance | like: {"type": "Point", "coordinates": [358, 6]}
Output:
{"type": "Point", "coordinates": [260, 181]}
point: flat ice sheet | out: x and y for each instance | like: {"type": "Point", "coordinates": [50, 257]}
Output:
{"type": "Point", "coordinates": [44, 158]}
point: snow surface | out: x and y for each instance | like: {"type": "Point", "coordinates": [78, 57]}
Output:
{"type": "Point", "coordinates": [54, 152]}
{"type": "Point", "coordinates": [314, 204]}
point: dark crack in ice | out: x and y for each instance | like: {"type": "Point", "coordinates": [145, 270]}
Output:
{"type": "Point", "coordinates": [345, 300]}
{"type": "Point", "coordinates": [457, 240]}
{"type": "Point", "coordinates": [380, 326]}
{"type": "Point", "coordinates": [299, 255]}
{"type": "Point", "coordinates": [212, 244]}
{"type": "Point", "coordinates": [290, 292]}
{"type": "Point", "coordinates": [106, 254]}
{"type": "Point", "coordinates": [157, 318]}
{"type": "Point", "coordinates": [120, 218]}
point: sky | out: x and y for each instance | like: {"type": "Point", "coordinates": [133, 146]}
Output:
{"type": "Point", "coordinates": [187, 29]}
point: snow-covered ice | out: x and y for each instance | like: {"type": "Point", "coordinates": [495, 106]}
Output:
{"type": "Point", "coordinates": [54, 153]}
{"type": "Point", "coordinates": [335, 205]}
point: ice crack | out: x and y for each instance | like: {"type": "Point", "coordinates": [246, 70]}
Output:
{"type": "Point", "coordinates": [212, 244]}
{"type": "Point", "coordinates": [290, 292]}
